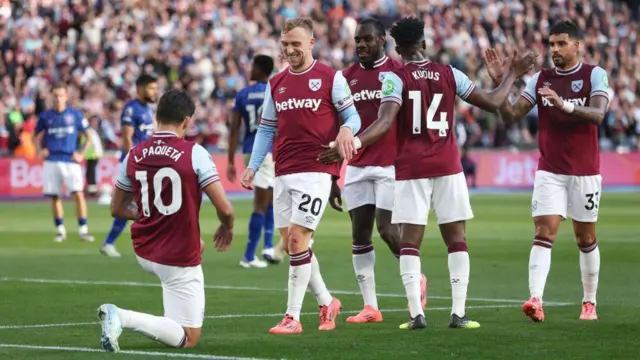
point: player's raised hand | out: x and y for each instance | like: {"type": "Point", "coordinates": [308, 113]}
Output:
{"type": "Point", "coordinates": [222, 238]}
{"type": "Point", "coordinates": [329, 156]}
{"type": "Point", "coordinates": [335, 196]}
{"type": "Point", "coordinates": [521, 65]}
{"type": "Point", "coordinates": [552, 96]}
{"type": "Point", "coordinates": [344, 143]}
{"type": "Point", "coordinates": [496, 65]}
{"type": "Point", "coordinates": [247, 179]}
{"type": "Point", "coordinates": [231, 172]}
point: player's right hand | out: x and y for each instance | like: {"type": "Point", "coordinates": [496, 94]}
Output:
{"type": "Point", "coordinates": [521, 65]}
{"type": "Point", "coordinates": [344, 143]}
{"type": "Point", "coordinates": [496, 65]}
{"type": "Point", "coordinates": [247, 179]}
{"type": "Point", "coordinates": [43, 153]}
{"type": "Point", "coordinates": [231, 172]}
{"type": "Point", "coordinates": [222, 238]}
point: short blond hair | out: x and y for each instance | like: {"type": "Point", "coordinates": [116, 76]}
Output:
{"type": "Point", "coordinates": [304, 23]}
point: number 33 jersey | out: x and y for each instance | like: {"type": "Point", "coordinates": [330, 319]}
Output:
{"type": "Point", "coordinates": [167, 174]}
{"type": "Point", "coordinates": [426, 141]}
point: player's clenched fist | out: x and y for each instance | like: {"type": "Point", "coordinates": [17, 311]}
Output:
{"type": "Point", "coordinates": [247, 179]}
{"type": "Point", "coordinates": [344, 143]}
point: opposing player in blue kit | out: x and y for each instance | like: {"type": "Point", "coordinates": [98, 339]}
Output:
{"type": "Point", "coordinates": [137, 126]}
{"type": "Point", "coordinates": [57, 143]}
{"type": "Point", "coordinates": [248, 107]}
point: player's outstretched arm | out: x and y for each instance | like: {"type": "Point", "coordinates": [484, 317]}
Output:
{"type": "Point", "coordinates": [343, 103]}
{"type": "Point", "coordinates": [510, 113]}
{"type": "Point", "coordinates": [386, 116]}
{"type": "Point", "coordinates": [127, 127]}
{"type": "Point", "coordinates": [266, 131]}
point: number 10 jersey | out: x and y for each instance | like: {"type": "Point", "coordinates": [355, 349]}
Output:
{"type": "Point", "coordinates": [167, 174]}
{"type": "Point", "coordinates": [426, 141]}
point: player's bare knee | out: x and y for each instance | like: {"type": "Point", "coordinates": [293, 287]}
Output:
{"type": "Point", "coordinates": [585, 239]}
{"type": "Point", "coordinates": [545, 229]}
{"type": "Point", "coordinates": [454, 236]}
{"type": "Point", "coordinates": [360, 235]}
{"type": "Point", "coordinates": [193, 336]}
{"type": "Point", "coordinates": [298, 239]}
{"type": "Point", "coordinates": [388, 232]}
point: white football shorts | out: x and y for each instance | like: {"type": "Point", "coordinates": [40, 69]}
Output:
{"type": "Point", "coordinates": [58, 173]}
{"type": "Point", "coordinates": [448, 195]}
{"type": "Point", "coordinates": [369, 185]}
{"type": "Point", "coordinates": [182, 292]}
{"type": "Point", "coordinates": [300, 199]}
{"type": "Point", "coordinates": [266, 175]}
{"type": "Point", "coordinates": [575, 196]}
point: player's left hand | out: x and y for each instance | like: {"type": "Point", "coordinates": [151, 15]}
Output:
{"type": "Point", "coordinates": [222, 238]}
{"type": "Point", "coordinates": [329, 156]}
{"type": "Point", "coordinates": [335, 196]}
{"type": "Point", "coordinates": [552, 96]}
{"type": "Point", "coordinates": [77, 157]}
{"type": "Point", "coordinates": [344, 143]}
{"type": "Point", "coordinates": [247, 179]}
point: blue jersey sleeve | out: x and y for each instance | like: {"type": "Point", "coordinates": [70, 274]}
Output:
{"type": "Point", "coordinates": [41, 125]}
{"type": "Point", "coordinates": [392, 88]}
{"type": "Point", "coordinates": [82, 124]}
{"type": "Point", "coordinates": [269, 112]}
{"type": "Point", "coordinates": [529, 91]}
{"type": "Point", "coordinates": [122, 181]}
{"type": "Point", "coordinates": [600, 83]}
{"type": "Point", "coordinates": [464, 85]}
{"type": "Point", "coordinates": [237, 102]}
{"type": "Point", "coordinates": [127, 118]}
{"type": "Point", "coordinates": [343, 102]}
{"type": "Point", "coordinates": [203, 166]}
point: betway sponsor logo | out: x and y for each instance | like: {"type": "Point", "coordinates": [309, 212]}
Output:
{"type": "Point", "coordinates": [292, 104]}
{"type": "Point", "coordinates": [578, 101]}
{"type": "Point", "coordinates": [367, 95]}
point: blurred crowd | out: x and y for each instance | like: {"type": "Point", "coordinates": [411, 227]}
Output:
{"type": "Point", "coordinates": [100, 47]}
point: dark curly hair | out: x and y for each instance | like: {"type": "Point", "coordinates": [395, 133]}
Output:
{"type": "Point", "coordinates": [408, 31]}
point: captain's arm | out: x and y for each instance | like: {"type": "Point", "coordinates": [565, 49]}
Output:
{"type": "Point", "coordinates": [209, 182]}
{"type": "Point", "coordinates": [266, 131]}
{"type": "Point", "coordinates": [121, 202]}
{"type": "Point", "coordinates": [392, 89]}
{"type": "Point", "coordinates": [600, 95]}
{"type": "Point", "coordinates": [343, 102]}
{"type": "Point", "coordinates": [235, 120]}
{"type": "Point", "coordinates": [484, 99]}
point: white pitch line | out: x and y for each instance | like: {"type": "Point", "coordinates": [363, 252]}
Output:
{"type": "Point", "coordinates": [129, 352]}
{"type": "Point", "coordinates": [245, 288]}
{"type": "Point", "coordinates": [233, 316]}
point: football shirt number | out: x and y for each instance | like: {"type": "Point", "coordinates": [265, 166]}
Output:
{"type": "Point", "coordinates": [254, 116]}
{"type": "Point", "coordinates": [176, 191]}
{"type": "Point", "coordinates": [441, 125]}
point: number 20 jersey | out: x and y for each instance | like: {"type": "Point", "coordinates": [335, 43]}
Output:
{"type": "Point", "coordinates": [166, 174]}
{"type": "Point", "coordinates": [426, 141]}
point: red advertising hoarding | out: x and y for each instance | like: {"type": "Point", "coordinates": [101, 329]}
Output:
{"type": "Point", "coordinates": [497, 169]}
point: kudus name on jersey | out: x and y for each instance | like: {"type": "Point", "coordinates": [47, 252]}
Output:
{"type": "Point", "coordinates": [425, 74]}
{"type": "Point", "coordinates": [367, 95]}
{"type": "Point", "coordinates": [577, 101]}
{"type": "Point", "coordinates": [292, 104]}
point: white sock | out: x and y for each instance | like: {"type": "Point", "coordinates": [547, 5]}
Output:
{"type": "Point", "coordinates": [363, 265]}
{"type": "Point", "coordinates": [590, 269]}
{"type": "Point", "coordinates": [157, 328]}
{"type": "Point", "coordinates": [459, 268]}
{"type": "Point", "coordinates": [316, 283]}
{"type": "Point", "coordinates": [539, 264]}
{"type": "Point", "coordinates": [299, 277]}
{"type": "Point", "coordinates": [410, 271]}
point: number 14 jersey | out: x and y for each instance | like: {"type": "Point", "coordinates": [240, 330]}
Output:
{"type": "Point", "coordinates": [426, 141]}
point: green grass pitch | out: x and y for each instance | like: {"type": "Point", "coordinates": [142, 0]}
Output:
{"type": "Point", "coordinates": [49, 292]}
